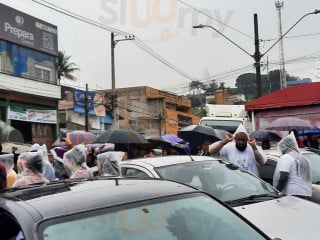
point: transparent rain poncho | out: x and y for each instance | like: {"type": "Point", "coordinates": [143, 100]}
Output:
{"type": "Point", "coordinates": [109, 162]}
{"type": "Point", "coordinates": [289, 145]}
{"type": "Point", "coordinates": [77, 154]}
{"type": "Point", "coordinates": [8, 159]}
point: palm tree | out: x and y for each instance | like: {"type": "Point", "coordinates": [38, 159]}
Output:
{"type": "Point", "coordinates": [65, 68]}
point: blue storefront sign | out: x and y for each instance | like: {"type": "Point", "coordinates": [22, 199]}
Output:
{"type": "Point", "coordinates": [95, 103]}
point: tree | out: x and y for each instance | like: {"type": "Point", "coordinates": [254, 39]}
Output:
{"type": "Point", "coordinates": [195, 86]}
{"type": "Point", "coordinates": [65, 68]}
{"type": "Point", "coordinates": [246, 84]}
{"type": "Point", "coordinates": [211, 88]}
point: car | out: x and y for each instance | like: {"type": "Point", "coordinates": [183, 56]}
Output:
{"type": "Point", "coordinates": [286, 217]}
{"type": "Point", "coordinates": [119, 208]}
{"type": "Point", "coordinates": [267, 170]}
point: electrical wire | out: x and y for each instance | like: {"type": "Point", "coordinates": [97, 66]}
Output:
{"type": "Point", "coordinates": [79, 17]}
{"type": "Point", "coordinates": [295, 36]}
{"type": "Point", "coordinates": [207, 15]}
{"type": "Point", "coordinates": [137, 41]}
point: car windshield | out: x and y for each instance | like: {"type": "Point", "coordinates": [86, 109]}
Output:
{"type": "Point", "coordinates": [221, 179]}
{"type": "Point", "coordinates": [193, 216]}
{"type": "Point", "coordinates": [314, 160]}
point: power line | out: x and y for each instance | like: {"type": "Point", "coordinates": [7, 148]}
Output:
{"type": "Point", "coordinates": [137, 41]}
{"type": "Point", "coordinates": [222, 76]}
{"type": "Point", "coordinates": [79, 17]}
{"type": "Point", "coordinates": [295, 36]}
{"type": "Point", "coordinates": [207, 15]}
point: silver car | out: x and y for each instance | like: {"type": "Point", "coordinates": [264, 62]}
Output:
{"type": "Point", "coordinates": [284, 217]}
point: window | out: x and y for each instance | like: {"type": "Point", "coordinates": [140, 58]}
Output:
{"type": "Point", "coordinates": [132, 172]}
{"type": "Point", "coordinates": [192, 216]}
{"type": "Point", "coordinates": [43, 73]}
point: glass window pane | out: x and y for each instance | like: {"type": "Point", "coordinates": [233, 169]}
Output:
{"type": "Point", "coordinates": [194, 218]}
{"type": "Point", "coordinates": [222, 180]}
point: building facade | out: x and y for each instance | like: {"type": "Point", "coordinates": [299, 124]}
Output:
{"type": "Point", "coordinates": [29, 91]}
{"type": "Point", "coordinates": [152, 111]}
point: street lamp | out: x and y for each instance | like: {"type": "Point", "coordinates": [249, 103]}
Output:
{"type": "Point", "coordinates": [257, 55]}
{"type": "Point", "coordinates": [113, 96]}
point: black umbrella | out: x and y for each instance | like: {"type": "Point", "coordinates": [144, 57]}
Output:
{"type": "Point", "coordinates": [220, 133]}
{"type": "Point", "coordinates": [159, 141]}
{"type": "Point", "coordinates": [261, 135]}
{"type": "Point", "coordinates": [197, 134]}
{"type": "Point", "coordinates": [121, 136]}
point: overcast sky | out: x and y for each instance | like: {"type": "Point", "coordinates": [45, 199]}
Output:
{"type": "Point", "coordinates": [165, 27]}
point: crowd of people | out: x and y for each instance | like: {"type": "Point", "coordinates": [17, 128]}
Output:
{"type": "Point", "coordinates": [292, 175]}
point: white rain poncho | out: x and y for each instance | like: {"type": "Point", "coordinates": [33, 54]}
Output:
{"type": "Point", "coordinates": [288, 145]}
{"type": "Point", "coordinates": [109, 162]}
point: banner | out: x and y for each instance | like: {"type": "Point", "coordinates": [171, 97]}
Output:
{"type": "Point", "coordinates": [95, 103]}
{"type": "Point", "coordinates": [32, 115]}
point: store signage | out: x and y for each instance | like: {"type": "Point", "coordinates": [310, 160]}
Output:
{"type": "Point", "coordinates": [25, 30]}
{"type": "Point", "coordinates": [95, 103]}
{"type": "Point", "coordinates": [32, 115]}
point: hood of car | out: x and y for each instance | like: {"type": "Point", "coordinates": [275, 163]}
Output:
{"type": "Point", "coordinates": [285, 218]}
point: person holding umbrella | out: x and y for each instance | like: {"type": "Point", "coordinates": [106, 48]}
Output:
{"type": "Point", "coordinates": [205, 148]}
{"type": "Point", "coordinates": [240, 150]}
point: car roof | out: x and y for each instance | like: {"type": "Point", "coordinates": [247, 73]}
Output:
{"type": "Point", "coordinates": [168, 160]}
{"type": "Point", "coordinates": [276, 153]}
{"type": "Point", "coordinates": [68, 197]}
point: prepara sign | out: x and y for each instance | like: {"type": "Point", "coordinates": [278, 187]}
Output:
{"type": "Point", "coordinates": [23, 29]}
{"type": "Point", "coordinates": [19, 33]}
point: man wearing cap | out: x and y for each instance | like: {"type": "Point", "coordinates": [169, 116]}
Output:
{"type": "Point", "coordinates": [240, 150]}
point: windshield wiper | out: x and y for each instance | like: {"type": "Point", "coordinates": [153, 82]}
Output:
{"type": "Point", "coordinates": [255, 198]}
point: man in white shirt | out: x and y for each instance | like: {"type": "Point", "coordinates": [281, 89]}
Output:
{"type": "Point", "coordinates": [292, 175]}
{"type": "Point", "coordinates": [242, 152]}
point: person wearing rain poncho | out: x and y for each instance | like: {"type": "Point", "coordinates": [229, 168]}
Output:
{"type": "Point", "coordinates": [108, 163]}
{"type": "Point", "coordinates": [48, 170]}
{"type": "Point", "coordinates": [8, 161]}
{"type": "Point", "coordinates": [240, 150]}
{"type": "Point", "coordinates": [75, 162]}
{"type": "Point", "coordinates": [30, 169]}
{"type": "Point", "coordinates": [292, 175]}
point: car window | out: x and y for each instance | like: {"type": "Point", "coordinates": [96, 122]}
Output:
{"type": "Point", "coordinates": [222, 180]}
{"type": "Point", "coordinates": [133, 172]}
{"type": "Point", "coordinates": [187, 216]}
{"type": "Point", "coordinates": [314, 160]}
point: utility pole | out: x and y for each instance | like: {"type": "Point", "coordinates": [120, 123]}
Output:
{"type": "Point", "coordinates": [283, 80]}
{"type": "Point", "coordinates": [86, 109]}
{"type": "Point", "coordinates": [113, 79]}
{"type": "Point", "coordinates": [257, 56]}
{"type": "Point", "coordinates": [159, 119]}
{"type": "Point", "coordinates": [113, 84]}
